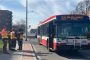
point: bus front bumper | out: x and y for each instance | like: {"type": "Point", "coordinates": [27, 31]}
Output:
{"type": "Point", "coordinates": [72, 47]}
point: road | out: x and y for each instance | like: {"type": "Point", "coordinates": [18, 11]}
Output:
{"type": "Point", "coordinates": [43, 54]}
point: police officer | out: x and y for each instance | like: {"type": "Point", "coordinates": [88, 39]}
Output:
{"type": "Point", "coordinates": [13, 40]}
{"type": "Point", "coordinates": [4, 35]}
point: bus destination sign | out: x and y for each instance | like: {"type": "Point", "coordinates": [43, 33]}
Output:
{"type": "Point", "coordinates": [71, 17]}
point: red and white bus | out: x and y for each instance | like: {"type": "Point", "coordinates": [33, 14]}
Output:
{"type": "Point", "coordinates": [65, 32]}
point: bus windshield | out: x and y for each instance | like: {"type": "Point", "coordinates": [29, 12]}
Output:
{"type": "Point", "coordinates": [72, 29]}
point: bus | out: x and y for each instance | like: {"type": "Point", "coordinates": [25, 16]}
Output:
{"type": "Point", "coordinates": [65, 32]}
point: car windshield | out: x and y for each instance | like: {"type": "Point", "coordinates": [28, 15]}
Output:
{"type": "Point", "coordinates": [73, 29]}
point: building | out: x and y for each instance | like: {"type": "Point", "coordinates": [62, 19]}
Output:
{"type": "Point", "coordinates": [5, 19]}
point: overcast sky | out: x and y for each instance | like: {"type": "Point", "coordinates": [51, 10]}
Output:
{"type": "Point", "coordinates": [38, 9]}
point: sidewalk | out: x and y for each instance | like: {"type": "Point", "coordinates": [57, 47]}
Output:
{"type": "Point", "coordinates": [25, 54]}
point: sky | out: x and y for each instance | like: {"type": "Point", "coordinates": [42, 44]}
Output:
{"type": "Point", "coordinates": [38, 10]}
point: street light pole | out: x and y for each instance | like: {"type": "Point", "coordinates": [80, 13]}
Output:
{"type": "Point", "coordinates": [26, 17]}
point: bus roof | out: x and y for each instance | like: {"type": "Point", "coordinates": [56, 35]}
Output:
{"type": "Point", "coordinates": [55, 16]}
{"type": "Point", "coordinates": [47, 20]}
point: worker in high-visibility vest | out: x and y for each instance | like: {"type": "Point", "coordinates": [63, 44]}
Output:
{"type": "Point", "coordinates": [4, 35]}
{"type": "Point", "coordinates": [13, 40]}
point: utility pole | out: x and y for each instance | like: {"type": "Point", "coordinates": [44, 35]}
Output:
{"type": "Point", "coordinates": [26, 17]}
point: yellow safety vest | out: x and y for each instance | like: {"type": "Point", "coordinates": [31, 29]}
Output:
{"type": "Point", "coordinates": [12, 35]}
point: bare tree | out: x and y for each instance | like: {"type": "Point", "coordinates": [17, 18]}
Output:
{"type": "Point", "coordinates": [87, 3]}
{"type": "Point", "coordinates": [80, 8]}
{"type": "Point", "coordinates": [83, 7]}
{"type": "Point", "coordinates": [20, 25]}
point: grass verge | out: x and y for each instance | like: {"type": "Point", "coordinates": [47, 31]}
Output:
{"type": "Point", "coordinates": [1, 46]}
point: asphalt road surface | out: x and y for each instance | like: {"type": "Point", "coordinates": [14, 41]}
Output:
{"type": "Point", "coordinates": [43, 54]}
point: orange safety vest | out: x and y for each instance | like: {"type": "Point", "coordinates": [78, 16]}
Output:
{"type": "Point", "coordinates": [4, 34]}
{"type": "Point", "coordinates": [12, 35]}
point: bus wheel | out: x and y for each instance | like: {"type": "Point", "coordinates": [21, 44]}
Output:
{"type": "Point", "coordinates": [39, 42]}
{"type": "Point", "coordinates": [48, 48]}
{"type": "Point", "coordinates": [47, 44]}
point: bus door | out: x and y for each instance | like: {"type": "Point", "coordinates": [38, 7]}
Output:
{"type": "Point", "coordinates": [51, 35]}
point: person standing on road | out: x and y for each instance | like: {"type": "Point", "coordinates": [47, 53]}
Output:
{"type": "Point", "coordinates": [20, 39]}
{"type": "Point", "coordinates": [17, 34]}
{"type": "Point", "coordinates": [9, 41]}
{"type": "Point", "coordinates": [13, 39]}
{"type": "Point", "coordinates": [4, 35]}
